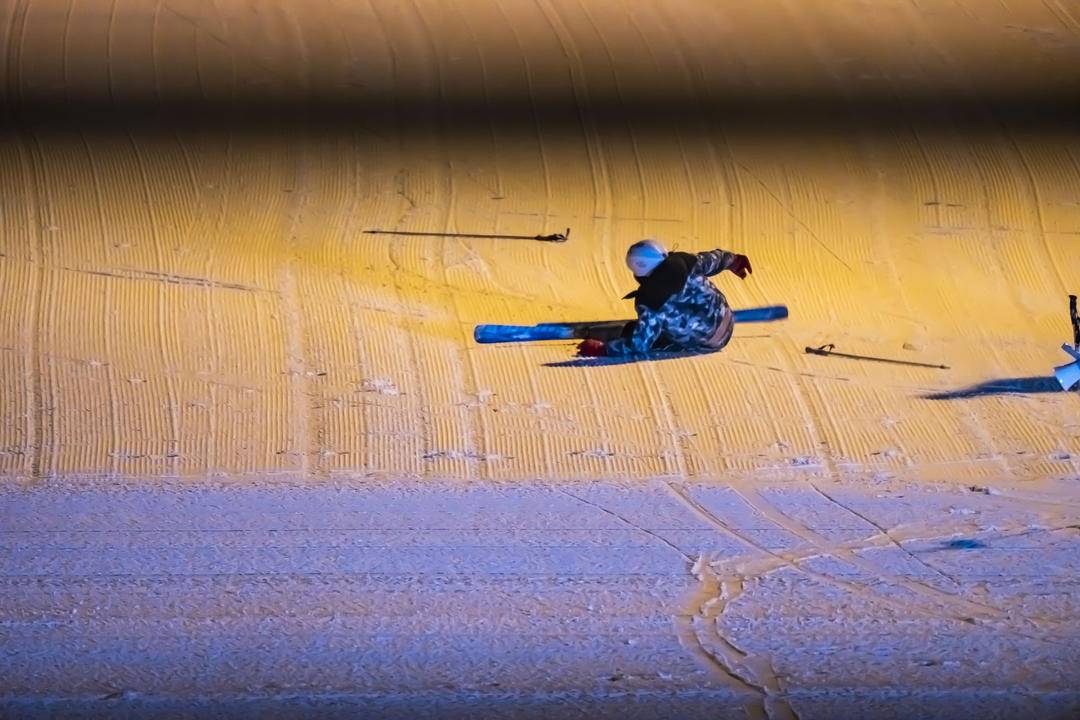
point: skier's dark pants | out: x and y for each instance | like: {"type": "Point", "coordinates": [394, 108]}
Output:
{"type": "Point", "coordinates": [662, 343]}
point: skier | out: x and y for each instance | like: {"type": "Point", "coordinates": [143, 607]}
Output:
{"type": "Point", "coordinates": [678, 307]}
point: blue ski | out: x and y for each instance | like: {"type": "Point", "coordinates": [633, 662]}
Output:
{"type": "Point", "coordinates": [599, 330]}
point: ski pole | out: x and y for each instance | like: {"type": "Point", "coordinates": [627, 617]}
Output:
{"type": "Point", "coordinates": [827, 351]}
{"type": "Point", "coordinates": [554, 237]}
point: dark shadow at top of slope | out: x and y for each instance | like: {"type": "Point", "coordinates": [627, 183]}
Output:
{"type": "Point", "coordinates": [1004, 386]}
{"type": "Point", "coordinates": [463, 114]}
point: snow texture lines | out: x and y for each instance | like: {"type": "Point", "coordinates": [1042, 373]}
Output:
{"type": "Point", "coordinates": [509, 116]}
{"type": "Point", "coordinates": [873, 583]}
{"type": "Point", "coordinates": [546, 588]}
{"type": "Point", "coordinates": [752, 673]}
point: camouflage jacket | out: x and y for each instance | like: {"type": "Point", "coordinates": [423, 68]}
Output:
{"type": "Point", "coordinates": [679, 308]}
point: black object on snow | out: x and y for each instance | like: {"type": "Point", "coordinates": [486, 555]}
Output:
{"type": "Point", "coordinates": [1075, 321]}
{"type": "Point", "coordinates": [828, 351]}
{"type": "Point", "coordinates": [554, 237]}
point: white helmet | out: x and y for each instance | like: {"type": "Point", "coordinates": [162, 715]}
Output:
{"type": "Point", "coordinates": [644, 255]}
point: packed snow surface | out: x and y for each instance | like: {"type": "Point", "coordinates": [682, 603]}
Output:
{"type": "Point", "coordinates": [253, 464]}
{"type": "Point", "coordinates": [653, 599]}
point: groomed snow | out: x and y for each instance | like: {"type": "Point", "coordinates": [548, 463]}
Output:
{"type": "Point", "coordinates": [419, 599]}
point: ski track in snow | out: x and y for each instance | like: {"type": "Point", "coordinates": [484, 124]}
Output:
{"type": "Point", "coordinates": [159, 595]}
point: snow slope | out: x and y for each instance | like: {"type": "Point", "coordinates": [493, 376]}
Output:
{"type": "Point", "coordinates": [254, 464]}
{"type": "Point", "coordinates": [647, 599]}
{"type": "Point", "coordinates": [192, 295]}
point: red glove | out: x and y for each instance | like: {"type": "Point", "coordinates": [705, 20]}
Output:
{"type": "Point", "coordinates": [592, 348]}
{"type": "Point", "coordinates": [740, 265]}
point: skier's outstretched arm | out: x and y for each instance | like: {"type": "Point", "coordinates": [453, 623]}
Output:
{"type": "Point", "coordinates": [712, 262]}
{"type": "Point", "coordinates": [649, 326]}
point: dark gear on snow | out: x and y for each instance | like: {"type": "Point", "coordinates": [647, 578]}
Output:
{"type": "Point", "coordinates": [1074, 318]}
